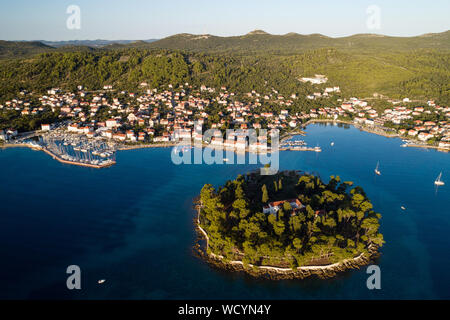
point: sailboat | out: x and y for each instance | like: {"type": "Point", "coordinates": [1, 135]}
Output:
{"type": "Point", "coordinates": [377, 169]}
{"type": "Point", "coordinates": [438, 181]}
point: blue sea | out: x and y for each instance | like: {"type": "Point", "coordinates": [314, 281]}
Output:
{"type": "Point", "coordinates": [132, 224]}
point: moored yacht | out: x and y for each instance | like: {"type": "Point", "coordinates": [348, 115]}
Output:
{"type": "Point", "coordinates": [439, 181]}
{"type": "Point", "coordinates": [377, 169]}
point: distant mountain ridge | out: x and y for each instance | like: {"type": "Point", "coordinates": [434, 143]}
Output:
{"type": "Point", "coordinates": [255, 41]}
{"type": "Point", "coordinates": [16, 49]}
{"type": "Point", "coordinates": [417, 74]}
{"type": "Point", "coordinates": [91, 43]}
{"type": "Point", "coordinates": [259, 40]}
{"type": "Point", "coordinates": [21, 49]}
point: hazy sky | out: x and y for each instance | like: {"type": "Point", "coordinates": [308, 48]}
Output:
{"type": "Point", "coordinates": [147, 19]}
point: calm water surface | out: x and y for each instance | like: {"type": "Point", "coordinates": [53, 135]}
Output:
{"type": "Point", "coordinates": [132, 224]}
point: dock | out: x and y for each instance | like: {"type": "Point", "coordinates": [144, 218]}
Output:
{"type": "Point", "coordinates": [316, 149]}
{"type": "Point", "coordinates": [81, 164]}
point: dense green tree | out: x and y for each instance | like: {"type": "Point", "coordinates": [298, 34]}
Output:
{"type": "Point", "coordinates": [335, 224]}
{"type": "Point", "coordinates": [265, 194]}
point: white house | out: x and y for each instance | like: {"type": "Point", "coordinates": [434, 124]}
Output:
{"type": "Point", "coordinates": [274, 207]}
{"type": "Point", "coordinates": [46, 127]}
{"type": "Point", "coordinates": [444, 145]}
{"type": "Point", "coordinates": [3, 136]}
{"type": "Point", "coordinates": [423, 136]}
{"type": "Point", "coordinates": [111, 123]}
{"type": "Point", "coordinates": [12, 132]}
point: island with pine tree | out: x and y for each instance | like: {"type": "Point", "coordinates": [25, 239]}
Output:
{"type": "Point", "coordinates": [288, 225]}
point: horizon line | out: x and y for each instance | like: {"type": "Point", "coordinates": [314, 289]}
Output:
{"type": "Point", "coordinates": [230, 36]}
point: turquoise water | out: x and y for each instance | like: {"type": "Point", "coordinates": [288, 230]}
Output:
{"type": "Point", "coordinates": [132, 224]}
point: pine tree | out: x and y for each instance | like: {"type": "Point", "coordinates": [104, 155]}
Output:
{"type": "Point", "coordinates": [265, 194]}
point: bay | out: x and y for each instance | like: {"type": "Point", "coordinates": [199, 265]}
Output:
{"type": "Point", "coordinates": [131, 224]}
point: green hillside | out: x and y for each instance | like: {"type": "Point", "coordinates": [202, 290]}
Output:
{"type": "Point", "coordinates": [20, 49]}
{"type": "Point", "coordinates": [254, 42]}
{"type": "Point", "coordinates": [292, 42]}
{"type": "Point", "coordinates": [415, 67]}
{"type": "Point", "coordinates": [417, 74]}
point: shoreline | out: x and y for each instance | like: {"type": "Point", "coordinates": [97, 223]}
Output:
{"type": "Point", "coordinates": [412, 142]}
{"type": "Point", "coordinates": [80, 164]}
{"type": "Point", "coordinates": [295, 131]}
{"type": "Point", "coordinates": [278, 273]}
{"type": "Point", "coordinates": [56, 157]}
{"type": "Point", "coordinates": [145, 146]}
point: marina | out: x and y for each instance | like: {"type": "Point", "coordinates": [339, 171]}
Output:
{"type": "Point", "coordinates": [73, 149]}
{"type": "Point", "coordinates": [298, 145]}
{"type": "Point", "coordinates": [114, 229]}
{"type": "Point", "coordinates": [117, 232]}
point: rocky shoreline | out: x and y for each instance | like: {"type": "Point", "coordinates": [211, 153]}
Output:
{"type": "Point", "coordinates": [276, 273]}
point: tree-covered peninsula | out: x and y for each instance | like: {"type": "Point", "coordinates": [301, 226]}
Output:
{"type": "Point", "coordinates": [291, 220]}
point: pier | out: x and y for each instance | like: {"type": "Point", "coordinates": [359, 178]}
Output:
{"type": "Point", "coordinates": [316, 149]}
{"type": "Point", "coordinates": [69, 148]}
{"type": "Point", "coordinates": [297, 145]}
{"type": "Point", "coordinates": [78, 150]}
{"type": "Point", "coordinates": [36, 147]}
{"type": "Point", "coordinates": [81, 164]}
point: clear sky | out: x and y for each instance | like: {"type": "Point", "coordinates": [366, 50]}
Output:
{"type": "Point", "coordinates": [148, 19]}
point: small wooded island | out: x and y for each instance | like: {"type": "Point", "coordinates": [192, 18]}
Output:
{"type": "Point", "coordinates": [288, 225]}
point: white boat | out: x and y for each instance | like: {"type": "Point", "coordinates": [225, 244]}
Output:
{"type": "Point", "coordinates": [403, 208]}
{"type": "Point", "coordinates": [332, 144]}
{"type": "Point", "coordinates": [438, 181]}
{"type": "Point", "coordinates": [102, 281]}
{"type": "Point", "coordinates": [377, 169]}
{"type": "Point", "coordinates": [317, 148]}
{"type": "Point", "coordinates": [226, 160]}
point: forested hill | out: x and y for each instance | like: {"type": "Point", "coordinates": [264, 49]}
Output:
{"type": "Point", "coordinates": [19, 49]}
{"type": "Point", "coordinates": [91, 43]}
{"type": "Point", "coordinates": [416, 67]}
{"type": "Point", "coordinates": [415, 74]}
{"type": "Point", "coordinates": [254, 42]}
{"type": "Point", "coordinates": [292, 42]}
{"type": "Point", "coordinates": [26, 49]}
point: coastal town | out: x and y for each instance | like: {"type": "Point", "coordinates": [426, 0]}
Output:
{"type": "Point", "coordinates": [225, 159]}
{"type": "Point", "coordinates": [163, 117]}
